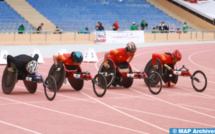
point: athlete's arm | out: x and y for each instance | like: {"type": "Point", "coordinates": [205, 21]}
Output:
{"type": "Point", "coordinates": [105, 58]}
{"type": "Point", "coordinates": [55, 59]}
{"type": "Point", "coordinates": [130, 59]}
{"type": "Point", "coordinates": [154, 57]}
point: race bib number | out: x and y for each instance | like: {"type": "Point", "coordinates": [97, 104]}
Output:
{"type": "Point", "coordinates": [76, 75]}
{"type": "Point", "coordinates": [177, 72]}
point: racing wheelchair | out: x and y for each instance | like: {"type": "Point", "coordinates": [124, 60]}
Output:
{"type": "Point", "coordinates": [9, 80]}
{"type": "Point", "coordinates": [126, 76]}
{"type": "Point", "coordinates": [76, 78]}
{"type": "Point", "coordinates": [198, 79]}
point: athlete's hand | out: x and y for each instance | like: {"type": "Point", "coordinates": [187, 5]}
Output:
{"type": "Point", "coordinates": [57, 68]}
{"type": "Point", "coordinates": [10, 69]}
{"type": "Point", "coordinates": [106, 65]}
{"type": "Point", "coordinates": [155, 66]}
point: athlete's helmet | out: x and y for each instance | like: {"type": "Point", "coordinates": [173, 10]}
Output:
{"type": "Point", "coordinates": [177, 55]}
{"type": "Point", "coordinates": [32, 67]}
{"type": "Point", "coordinates": [77, 57]}
{"type": "Point", "coordinates": [131, 47]}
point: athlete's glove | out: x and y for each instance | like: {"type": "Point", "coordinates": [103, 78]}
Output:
{"type": "Point", "coordinates": [57, 68]}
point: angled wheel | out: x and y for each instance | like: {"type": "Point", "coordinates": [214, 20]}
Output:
{"type": "Point", "coordinates": [31, 86]}
{"type": "Point", "coordinates": [77, 84]}
{"type": "Point", "coordinates": [50, 88]}
{"type": "Point", "coordinates": [58, 75]}
{"type": "Point", "coordinates": [99, 85]}
{"type": "Point", "coordinates": [127, 82]}
{"type": "Point", "coordinates": [109, 73]}
{"type": "Point", "coordinates": [149, 68]}
{"type": "Point", "coordinates": [154, 82]}
{"type": "Point", "coordinates": [199, 81]}
{"type": "Point", "coordinates": [9, 80]}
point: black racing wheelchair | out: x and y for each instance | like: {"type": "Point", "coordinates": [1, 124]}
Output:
{"type": "Point", "coordinates": [9, 80]}
{"type": "Point", "coordinates": [123, 75]}
{"type": "Point", "coordinates": [76, 78]}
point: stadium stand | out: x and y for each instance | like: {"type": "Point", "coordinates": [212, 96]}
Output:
{"type": "Point", "coordinates": [182, 14]}
{"type": "Point", "coordinates": [29, 13]}
{"type": "Point", "coordinates": [10, 20]}
{"type": "Point", "coordinates": [73, 15]}
{"type": "Point", "coordinates": [204, 9]}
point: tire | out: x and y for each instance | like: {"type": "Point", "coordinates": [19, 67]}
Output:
{"type": "Point", "coordinates": [154, 82]}
{"type": "Point", "coordinates": [149, 68]}
{"type": "Point", "coordinates": [58, 75]}
{"type": "Point", "coordinates": [99, 85]}
{"type": "Point", "coordinates": [9, 80]}
{"type": "Point", "coordinates": [198, 78]}
{"type": "Point", "coordinates": [109, 73]}
{"type": "Point", "coordinates": [50, 88]}
{"type": "Point", "coordinates": [30, 86]}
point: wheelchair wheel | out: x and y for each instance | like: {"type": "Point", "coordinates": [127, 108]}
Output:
{"type": "Point", "coordinates": [154, 82]}
{"type": "Point", "coordinates": [199, 81]}
{"type": "Point", "coordinates": [31, 86]}
{"type": "Point", "coordinates": [58, 75]}
{"type": "Point", "coordinates": [50, 87]}
{"type": "Point", "coordinates": [149, 68]}
{"type": "Point", "coordinates": [99, 85]}
{"type": "Point", "coordinates": [109, 73]}
{"type": "Point", "coordinates": [77, 84]}
{"type": "Point", "coordinates": [127, 82]}
{"type": "Point", "coordinates": [9, 80]}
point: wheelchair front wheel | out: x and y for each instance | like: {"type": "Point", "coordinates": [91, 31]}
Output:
{"type": "Point", "coordinates": [99, 85]}
{"type": "Point", "coordinates": [50, 88]}
{"type": "Point", "coordinates": [154, 82]}
{"type": "Point", "coordinates": [199, 81]}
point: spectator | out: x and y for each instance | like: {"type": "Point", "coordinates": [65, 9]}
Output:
{"type": "Point", "coordinates": [166, 28]}
{"type": "Point", "coordinates": [80, 31]}
{"type": "Point", "coordinates": [178, 31]}
{"type": "Point", "coordinates": [86, 30]}
{"type": "Point", "coordinates": [57, 30]}
{"type": "Point", "coordinates": [39, 29]}
{"type": "Point", "coordinates": [21, 29]}
{"type": "Point", "coordinates": [137, 28]}
{"type": "Point", "coordinates": [172, 30]}
{"type": "Point", "coordinates": [161, 27]}
{"type": "Point", "coordinates": [133, 26]}
{"type": "Point", "coordinates": [154, 30]}
{"type": "Point", "coordinates": [115, 26]}
{"type": "Point", "coordinates": [97, 26]}
{"type": "Point", "coordinates": [143, 24]}
{"type": "Point", "coordinates": [101, 28]}
{"type": "Point", "coordinates": [185, 27]}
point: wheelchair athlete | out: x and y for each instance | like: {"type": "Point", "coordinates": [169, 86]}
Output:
{"type": "Point", "coordinates": [25, 65]}
{"type": "Point", "coordinates": [120, 56]}
{"type": "Point", "coordinates": [167, 58]}
{"type": "Point", "coordinates": [70, 60]}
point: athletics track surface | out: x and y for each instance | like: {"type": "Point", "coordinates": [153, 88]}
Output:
{"type": "Point", "coordinates": [120, 111]}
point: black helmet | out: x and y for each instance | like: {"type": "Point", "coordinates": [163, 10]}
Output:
{"type": "Point", "coordinates": [131, 47]}
{"type": "Point", "coordinates": [77, 57]}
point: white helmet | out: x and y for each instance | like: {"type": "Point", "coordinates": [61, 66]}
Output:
{"type": "Point", "coordinates": [32, 67]}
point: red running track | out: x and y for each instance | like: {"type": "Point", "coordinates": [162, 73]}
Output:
{"type": "Point", "coordinates": [120, 111]}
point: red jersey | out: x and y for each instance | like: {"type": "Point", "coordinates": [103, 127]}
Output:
{"type": "Point", "coordinates": [116, 25]}
{"type": "Point", "coordinates": [119, 55]}
{"type": "Point", "coordinates": [65, 58]}
{"type": "Point", "coordinates": [164, 58]}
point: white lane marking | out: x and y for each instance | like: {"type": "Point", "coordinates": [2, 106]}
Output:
{"type": "Point", "coordinates": [198, 64]}
{"type": "Point", "coordinates": [197, 112]}
{"type": "Point", "coordinates": [135, 118]}
{"type": "Point", "coordinates": [72, 115]}
{"type": "Point", "coordinates": [197, 107]}
{"type": "Point", "coordinates": [9, 124]}
{"type": "Point", "coordinates": [165, 116]}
